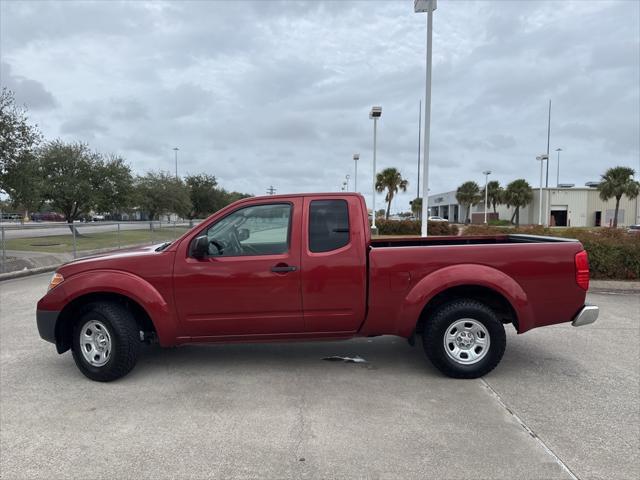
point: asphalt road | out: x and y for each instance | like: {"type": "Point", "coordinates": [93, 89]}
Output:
{"type": "Point", "coordinates": [564, 403]}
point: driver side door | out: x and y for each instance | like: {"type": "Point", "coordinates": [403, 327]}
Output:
{"type": "Point", "coordinates": [249, 284]}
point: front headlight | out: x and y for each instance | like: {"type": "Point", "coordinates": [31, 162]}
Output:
{"type": "Point", "coordinates": [56, 280]}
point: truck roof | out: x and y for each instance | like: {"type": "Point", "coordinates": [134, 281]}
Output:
{"type": "Point", "coordinates": [308, 194]}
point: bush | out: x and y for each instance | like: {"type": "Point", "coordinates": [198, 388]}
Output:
{"type": "Point", "coordinates": [413, 227]}
{"type": "Point", "coordinates": [501, 223]}
{"type": "Point", "coordinates": [613, 253]}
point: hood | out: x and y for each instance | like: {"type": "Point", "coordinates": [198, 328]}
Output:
{"type": "Point", "coordinates": [130, 259]}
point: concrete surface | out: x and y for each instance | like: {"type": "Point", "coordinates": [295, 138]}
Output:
{"type": "Point", "coordinates": [564, 403]}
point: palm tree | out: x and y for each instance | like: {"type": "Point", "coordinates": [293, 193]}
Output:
{"type": "Point", "coordinates": [391, 181]}
{"type": "Point", "coordinates": [416, 207]}
{"type": "Point", "coordinates": [518, 194]}
{"type": "Point", "coordinates": [495, 194]}
{"type": "Point", "coordinates": [618, 181]}
{"type": "Point", "coordinates": [468, 194]}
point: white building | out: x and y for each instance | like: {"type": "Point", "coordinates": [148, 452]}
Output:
{"type": "Point", "coordinates": [569, 206]}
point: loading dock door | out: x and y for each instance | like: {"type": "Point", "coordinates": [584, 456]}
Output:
{"type": "Point", "coordinates": [558, 215]}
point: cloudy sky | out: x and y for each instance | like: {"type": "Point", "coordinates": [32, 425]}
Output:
{"type": "Point", "coordinates": [278, 93]}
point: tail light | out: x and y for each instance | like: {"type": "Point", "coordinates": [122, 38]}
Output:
{"type": "Point", "coordinates": [582, 269]}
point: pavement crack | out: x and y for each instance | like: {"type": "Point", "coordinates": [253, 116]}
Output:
{"type": "Point", "coordinates": [529, 430]}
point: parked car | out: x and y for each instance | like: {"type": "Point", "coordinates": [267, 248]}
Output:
{"type": "Point", "coordinates": [47, 217]}
{"type": "Point", "coordinates": [304, 267]}
{"type": "Point", "coordinates": [633, 230]}
{"type": "Point", "coordinates": [436, 218]}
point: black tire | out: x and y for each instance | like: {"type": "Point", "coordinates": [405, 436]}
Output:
{"type": "Point", "coordinates": [446, 316]}
{"type": "Point", "coordinates": [124, 337]}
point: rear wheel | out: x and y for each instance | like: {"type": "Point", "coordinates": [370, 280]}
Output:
{"type": "Point", "coordinates": [464, 339]}
{"type": "Point", "coordinates": [106, 341]}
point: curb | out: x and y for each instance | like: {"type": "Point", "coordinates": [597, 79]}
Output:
{"type": "Point", "coordinates": [616, 286]}
{"type": "Point", "coordinates": [27, 272]}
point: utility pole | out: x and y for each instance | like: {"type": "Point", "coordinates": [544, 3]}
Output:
{"type": "Point", "coordinates": [271, 190]}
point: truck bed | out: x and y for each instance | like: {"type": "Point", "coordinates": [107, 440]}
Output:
{"type": "Point", "coordinates": [470, 240]}
{"type": "Point", "coordinates": [538, 270]}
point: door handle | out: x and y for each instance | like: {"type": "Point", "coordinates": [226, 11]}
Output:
{"type": "Point", "coordinates": [281, 268]}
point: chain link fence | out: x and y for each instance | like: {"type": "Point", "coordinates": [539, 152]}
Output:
{"type": "Point", "coordinates": [43, 244]}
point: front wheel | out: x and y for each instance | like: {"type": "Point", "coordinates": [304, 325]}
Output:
{"type": "Point", "coordinates": [464, 339]}
{"type": "Point", "coordinates": [106, 341]}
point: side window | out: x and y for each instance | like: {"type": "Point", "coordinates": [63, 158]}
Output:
{"type": "Point", "coordinates": [328, 225]}
{"type": "Point", "coordinates": [254, 230]}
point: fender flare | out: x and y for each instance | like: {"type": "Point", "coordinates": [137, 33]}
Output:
{"type": "Point", "coordinates": [463, 275]}
{"type": "Point", "coordinates": [131, 286]}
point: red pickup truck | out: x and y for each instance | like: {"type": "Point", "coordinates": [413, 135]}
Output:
{"type": "Point", "coordinates": [304, 267]}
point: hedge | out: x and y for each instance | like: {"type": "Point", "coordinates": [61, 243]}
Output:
{"type": "Point", "coordinates": [413, 227]}
{"type": "Point", "coordinates": [613, 253]}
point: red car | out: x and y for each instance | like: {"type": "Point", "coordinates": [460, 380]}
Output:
{"type": "Point", "coordinates": [304, 267]}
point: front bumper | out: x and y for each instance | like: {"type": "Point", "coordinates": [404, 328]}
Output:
{"type": "Point", "coordinates": [46, 320]}
{"type": "Point", "coordinates": [588, 314]}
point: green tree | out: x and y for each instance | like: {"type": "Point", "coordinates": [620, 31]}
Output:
{"type": "Point", "coordinates": [113, 183]}
{"type": "Point", "coordinates": [160, 193]}
{"type": "Point", "coordinates": [518, 194]}
{"type": "Point", "coordinates": [416, 207]}
{"type": "Point", "coordinates": [390, 180]}
{"type": "Point", "coordinates": [616, 182]}
{"type": "Point", "coordinates": [495, 194]}
{"type": "Point", "coordinates": [20, 176]}
{"type": "Point", "coordinates": [72, 176]}
{"type": "Point", "coordinates": [205, 198]}
{"type": "Point", "coordinates": [468, 194]}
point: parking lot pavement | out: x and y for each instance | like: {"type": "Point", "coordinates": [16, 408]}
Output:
{"type": "Point", "coordinates": [564, 403]}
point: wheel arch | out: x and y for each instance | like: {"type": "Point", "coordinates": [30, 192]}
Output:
{"type": "Point", "coordinates": [68, 315]}
{"type": "Point", "coordinates": [486, 295]}
{"type": "Point", "coordinates": [490, 285]}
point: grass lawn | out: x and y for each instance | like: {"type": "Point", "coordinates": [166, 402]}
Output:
{"type": "Point", "coordinates": [93, 241]}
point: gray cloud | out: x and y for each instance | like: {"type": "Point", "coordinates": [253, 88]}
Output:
{"type": "Point", "coordinates": [26, 90]}
{"type": "Point", "coordinates": [266, 92]}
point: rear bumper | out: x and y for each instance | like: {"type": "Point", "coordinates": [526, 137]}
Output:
{"type": "Point", "coordinates": [46, 320]}
{"type": "Point", "coordinates": [588, 314]}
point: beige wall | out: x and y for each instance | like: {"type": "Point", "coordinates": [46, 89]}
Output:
{"type": "Point", "coordinates": [581, 203]}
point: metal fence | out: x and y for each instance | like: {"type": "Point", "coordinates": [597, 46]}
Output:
{"type": "Point", "coordinates": [32, 245]}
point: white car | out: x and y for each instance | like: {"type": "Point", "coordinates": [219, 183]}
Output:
{"type": "Point", "coordinates": [436, 218]}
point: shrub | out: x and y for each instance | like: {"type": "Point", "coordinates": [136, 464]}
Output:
{"type": "Point", "coordinates": [413, 227]}
{"type": "Point", "coordinates": [613, 253]}
{"type": "Point", "coordinates": [501, 223]}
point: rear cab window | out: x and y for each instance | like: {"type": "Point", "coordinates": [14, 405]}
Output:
{"type": "Point", "coordinates": [328, 225]}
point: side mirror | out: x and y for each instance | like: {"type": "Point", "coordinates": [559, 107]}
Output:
{"type": "Point", "coordinates": [200, 247]}
{"type": "Point", "coordinates": [243, 234]}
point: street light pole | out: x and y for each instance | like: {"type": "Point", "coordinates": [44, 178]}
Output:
{"type": "Point", "coordinates": [175, 149]}
{"type": "Point", "coordinates": [356, 157]}
{"type": "Point", "coordinates": [541, 159]}
{"type": "Point", "coordinates": [419, 139]}
{"type": "Point", "coordinates": [421, 6]}
{"type": "Point", "coordinates": [486, 193]}
{"type": "Point", "coordinates": [375, 114]}
{"type": "Point", "coordinates": [558, 172]}
{"type": "Point", "coordinates": [347, 177]}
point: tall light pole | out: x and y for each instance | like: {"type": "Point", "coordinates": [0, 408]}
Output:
{"type": "Point", "coordinates": [419, 135]}
{"type": "Point", "coordinates": [421, 6]}
{"type": "Point", "coordinates": [541, 159]}
{"type": "Point", "coordinates": [175, 149]}
{"type": "Point", "coordinates": [558, 172]}
{"type": "Point", "coordinates": [486, 193]}
{"type": "Point", "coordinates": [375, 114]}
{"type": "Point", "coordinates": [356, 157]}
{"type": "Point", "coordinates": [347, 176]}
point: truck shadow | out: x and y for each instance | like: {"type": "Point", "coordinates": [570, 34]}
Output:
{"type": "Point", "coordinates": [386, 355]}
